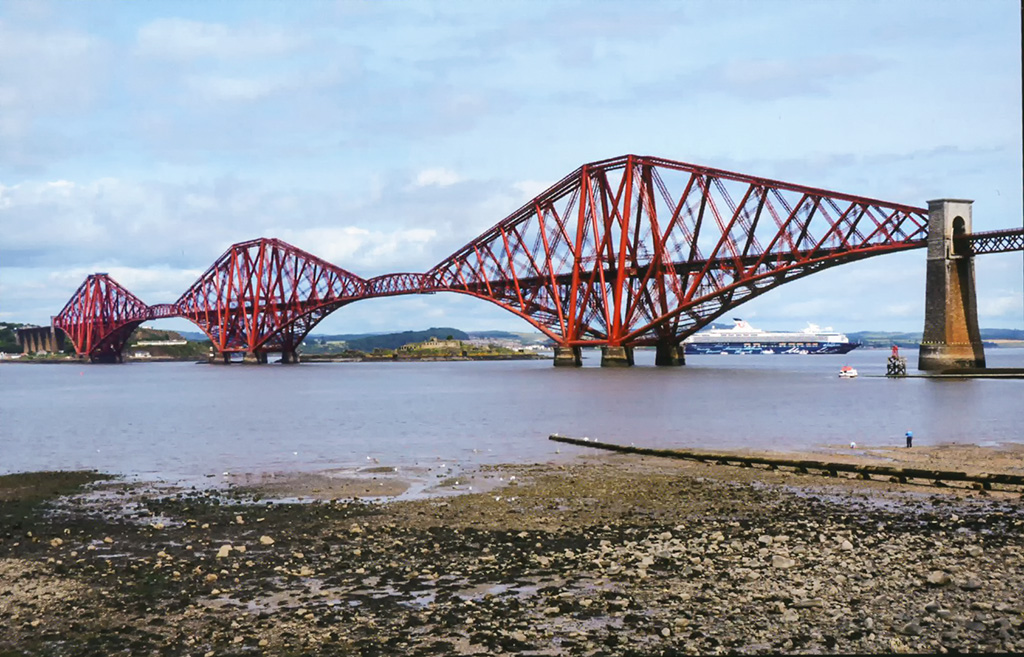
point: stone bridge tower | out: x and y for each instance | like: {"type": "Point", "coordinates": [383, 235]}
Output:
{"type": "Point", "coordinates": [951, 337]}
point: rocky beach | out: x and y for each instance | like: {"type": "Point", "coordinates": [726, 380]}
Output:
{"type": "Point", "coordinates": [593, 555]}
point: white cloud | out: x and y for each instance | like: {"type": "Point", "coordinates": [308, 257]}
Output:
{"type": "Point", "coordinates": [439, 177]}
{"type": "Point", "coordinates": [157, 284]}
{"type": "Point", "coordinates": [45, 74]}
{"type": "Point", "coordinates": [765, 78]}
{"type": "Point", "coordinates": [362, 251]}
{"type": "Point", "coordinates": [1007, 306]}
{"type": "Point", "coordinates": [530, 189]}
{"type": "Point", "coordinates": [180, 39]}
{"type": "Point", "coordinates": [231, 89]}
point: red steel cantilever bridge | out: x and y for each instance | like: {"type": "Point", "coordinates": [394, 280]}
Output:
{"type": "Point", "coordinates": [630, 251]}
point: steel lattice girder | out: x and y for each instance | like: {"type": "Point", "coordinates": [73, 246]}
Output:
{"type": "Point", "coordinates": [637, 250]}
{"type": "Point", "coordinates": [402, 283]}
{"type": "Point", "coordinates": [100, 316]}
{"type": "Point", "coordinates": [996, 241]}
{"type": "Point", "coordinates": [266, 295]}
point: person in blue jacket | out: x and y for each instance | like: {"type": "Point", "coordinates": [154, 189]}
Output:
{"type": "Point", "coordinates": [910, 438]}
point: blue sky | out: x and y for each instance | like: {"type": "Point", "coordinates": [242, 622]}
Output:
{"type": "Point", "coordinates": [144, 138]}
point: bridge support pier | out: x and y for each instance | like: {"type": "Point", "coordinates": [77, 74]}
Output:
{"type": "Point", "coordinates": [289, 358]}
{"type": "Point", "coordinates": [670, 355]}
{"type": "Point", "coordinates": [107, 357]}
{"type": "Point", "coordinates": [40, 339]}
{"type": "Point", "coordinates": [568, 356]}
{"type": "Point", "coordinates": [612, 356]}
{"type": "Point", "coordinates": [951, 338]}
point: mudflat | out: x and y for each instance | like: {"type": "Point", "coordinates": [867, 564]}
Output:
{"type": "Point", "coordinates": [600, 555]}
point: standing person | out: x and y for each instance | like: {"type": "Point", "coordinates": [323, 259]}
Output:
{"type": "Point", "coordinates": [910, 438]}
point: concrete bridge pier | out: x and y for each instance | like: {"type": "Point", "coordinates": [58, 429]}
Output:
{"type": "Point", "coordinates": [616, 356]}
{"type": "Point", "coordinates": [568, 356]}
{"type": "Point", "coordinates": [951, 338]}
{"type": "Point", "coordinates": [289, 358]}
{"type": "Point", "coordinates": [669, 355]}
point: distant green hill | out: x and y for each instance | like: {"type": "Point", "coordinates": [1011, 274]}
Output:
{"type": "Point", "coordinates": [887, 339]}
{"type": "Point", "coordinates": [495, 335]}
{"type": "Point", "coordinates": [367, 343]}
{"type": "Point", "coordinates": [149, 341]}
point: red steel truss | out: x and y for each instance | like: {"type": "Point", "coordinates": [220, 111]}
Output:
{"type": "Point", "coordinates": [628, 251]}
{"type": "Point", "coordinates": [266, 295]}
{"type": "Point", "coordinates": [641, 250]}
{"type": "Point", "coordinates": [99, 317]}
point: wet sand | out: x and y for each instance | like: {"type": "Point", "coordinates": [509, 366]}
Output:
{"type": "Point", "coordinates": [598, 555]}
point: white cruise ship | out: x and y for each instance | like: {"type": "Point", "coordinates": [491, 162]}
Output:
{"type": "Point", "coordinates": [745, 339]}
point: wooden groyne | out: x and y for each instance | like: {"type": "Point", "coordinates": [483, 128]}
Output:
{"type": "Point", "coordinates": [981, 481]}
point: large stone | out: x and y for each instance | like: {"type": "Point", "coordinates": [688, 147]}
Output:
{"type": "Point", "coordinates": [782, 562]}
{"type": "Point", "coordinates": [911, 629]}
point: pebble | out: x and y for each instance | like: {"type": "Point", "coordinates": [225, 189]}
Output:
{"type": "Point", "coordinates": [743, 570]}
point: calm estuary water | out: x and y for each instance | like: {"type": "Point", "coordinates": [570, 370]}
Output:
{"type": "Point", "coordinates": [181, 420]}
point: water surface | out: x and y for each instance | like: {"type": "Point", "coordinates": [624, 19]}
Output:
{"type": "Point", "coordinates": [182, 420]}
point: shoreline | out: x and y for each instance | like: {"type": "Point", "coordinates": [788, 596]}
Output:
{"type": "Point", "coordinates": [594, 555]}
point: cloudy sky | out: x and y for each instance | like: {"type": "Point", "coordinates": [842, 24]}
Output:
{"type": "Point", "coordinates": [144, 138]}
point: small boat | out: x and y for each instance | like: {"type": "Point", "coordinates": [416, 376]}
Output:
{"type": "Point", "coordinates": [847, 372]}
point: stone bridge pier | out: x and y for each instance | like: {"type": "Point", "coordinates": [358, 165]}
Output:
{"type": "Point", "coordinates": [951, 339]}
{"type": "Point", "coordinates": [40, 339]}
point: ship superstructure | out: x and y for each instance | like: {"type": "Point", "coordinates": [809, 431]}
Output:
{"type": "Point", "coordinates": [742, 338]}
